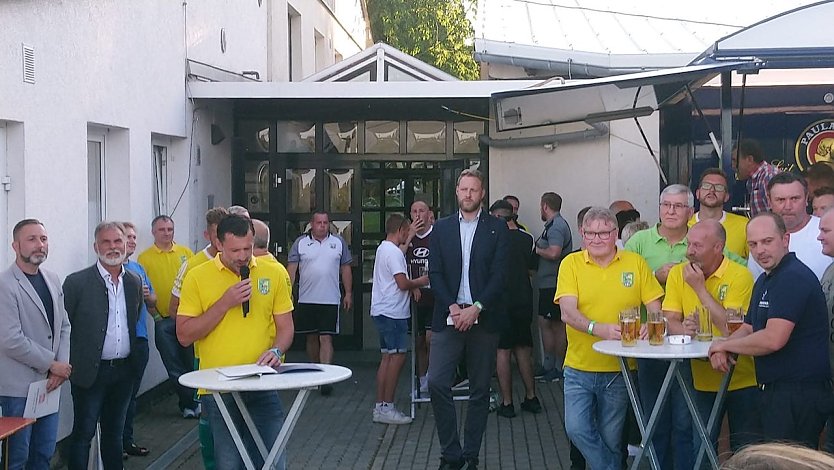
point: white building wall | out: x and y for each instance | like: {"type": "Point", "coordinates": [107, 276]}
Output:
{"type": "Point", "coordinates": [594, 172]}
{"type": "Point", "coordinates": [117, 68]}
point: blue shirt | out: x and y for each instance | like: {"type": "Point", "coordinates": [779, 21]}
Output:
{"type": "Point", "coordinates": [141, 325]}
{"type": "Point", "coordinates": [467, 234]}
{"type": "Point", "coordinates": [791, 292]}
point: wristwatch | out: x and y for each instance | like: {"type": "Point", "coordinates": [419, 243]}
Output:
{"type": "Point", "coordinates": [479, 305]}
{"type": "Point", "coordinates": [277, 352]}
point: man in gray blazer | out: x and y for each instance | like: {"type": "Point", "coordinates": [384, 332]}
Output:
{"type": "Point", "coordinates": [103, 303]}
{"type": "Point", "coordinates": [34, 341]}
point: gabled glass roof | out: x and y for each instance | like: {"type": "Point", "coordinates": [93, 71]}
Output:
{"type": "Point", "coordinates": [380, 63]}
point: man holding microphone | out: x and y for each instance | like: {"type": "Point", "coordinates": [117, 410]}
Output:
{"type": "Point", "coordinates": [238, 320]}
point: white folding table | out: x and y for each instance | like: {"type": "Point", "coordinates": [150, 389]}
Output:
{"type": "Point", "coordinates": [675, 355]}
{"type": "Point", "coordinates": [304, 382]}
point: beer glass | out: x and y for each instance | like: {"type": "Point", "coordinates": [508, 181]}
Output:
{"type": "Point", "coordinates": [704, 324]}
{"type": "Point", "coordinates": [735, 318]}
{"type": "Point", "coordinates": [657, 327]}
{"type": "Point", "coordinates": [629, 326]}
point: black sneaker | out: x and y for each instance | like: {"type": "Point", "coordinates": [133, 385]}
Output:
{"type": "Point", "coordinates": [531, 405]}
{"type": "Point", "coordinates": [539, 372]}
{"type": "Point", "coordinates": [507, 411]}
{"type": "Point", "coordinates": [449, 464]}
{"type": "Point", "coordinates": [326, 390]}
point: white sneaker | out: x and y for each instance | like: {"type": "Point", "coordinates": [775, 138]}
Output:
{"type": "Point", "coordinates": [424, 386]}
{"type": "Point", "coordinates": [390, 415]}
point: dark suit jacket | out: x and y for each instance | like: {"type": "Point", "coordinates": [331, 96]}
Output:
{"type": "Point", "coordinates": [486, 268]}
{"type": "Point", "coordinates": [85, 298]}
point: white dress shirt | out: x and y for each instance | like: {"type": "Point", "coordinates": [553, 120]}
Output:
{"type": "Point", "coordinates": [117, 338]}
{"type": "Point", "coordinates": [467, 235]}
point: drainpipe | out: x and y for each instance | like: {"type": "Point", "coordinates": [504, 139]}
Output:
{"type": "Point", "coordinates": [598, 130]}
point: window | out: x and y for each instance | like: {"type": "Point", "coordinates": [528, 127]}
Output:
{"type": "Point", "coordinates": [159, 154]}
{"type": "Point", "coordinates": [95, 183]}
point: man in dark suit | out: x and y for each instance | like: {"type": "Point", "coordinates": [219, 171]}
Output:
{"type": "Point", "coordinates": [466, 270]}
{"type": "Point", "coordinates": [103, 303]}
{"type": "Point", "coordinates": [34, 342]}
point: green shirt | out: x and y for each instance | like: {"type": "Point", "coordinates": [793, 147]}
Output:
{"type": "Point", "coordinates": [656, 249]}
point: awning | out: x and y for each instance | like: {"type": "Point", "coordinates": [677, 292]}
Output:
{"type": "Point", "coordinates": [602, 99]}
{"type": "Point", "coordinates": [798, 38]}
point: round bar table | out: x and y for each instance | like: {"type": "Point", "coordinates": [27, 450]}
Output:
{"type": "Point", "coordinates": [304, 381]}
{"type": "Point", "coordinates": [675, 355]}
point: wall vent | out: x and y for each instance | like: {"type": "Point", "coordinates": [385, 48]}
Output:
{"type": "Point", "coordinates": [28, 64]}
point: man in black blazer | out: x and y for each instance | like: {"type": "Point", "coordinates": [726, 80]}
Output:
{"type": "Point", "coordinates": [466, 269]}
{"type": "Point", "coordinates": [102, 303]}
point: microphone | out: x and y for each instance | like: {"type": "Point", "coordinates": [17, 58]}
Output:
{"type": "Point", "coordinates": [244, 275]}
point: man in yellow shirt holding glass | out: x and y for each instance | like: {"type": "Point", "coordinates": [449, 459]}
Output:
{"type": "Point", "coordinates": [710, 280]}
{"type": "Point", "coordinates": [595, 285]}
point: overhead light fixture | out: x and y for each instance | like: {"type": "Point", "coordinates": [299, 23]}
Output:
{"type": "Point", "coordinates": [606, 116]}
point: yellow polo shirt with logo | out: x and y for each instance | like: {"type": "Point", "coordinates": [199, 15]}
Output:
{"type": "Point", "coordinates": [601, 293]}
{"type": "Point", "coordinates": [162, 268]}
{"type": "Point", "coordinates": [736, 228]}
{"type": "Point", "coordinates": [731, 285]}
{"type": "Point", "coordinates": [236, 339]}
{"type": "Point", "coordinates": [201, 257]}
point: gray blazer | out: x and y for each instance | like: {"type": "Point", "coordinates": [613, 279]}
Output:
{"type": "Point", "coordinates": [27, 345]}
{"type": "Point", "coordinates": [85, 297]}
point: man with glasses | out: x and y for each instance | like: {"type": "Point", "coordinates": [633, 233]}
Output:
{"type": "Point", "coordinates": [713, 193]}
{"type": "Point", "coordinates": [664, 246]}
{"type": "Point", "coordinates": [595, 284]}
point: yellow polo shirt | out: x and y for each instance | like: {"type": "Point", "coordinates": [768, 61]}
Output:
{"type": "Point", "coordinates": [602, 292]}
{"type": "Point", "coordinates": [268, 258]}
{"type": "Point", "coordinates": [201, 257]}
{"type": "Point", "coordinates": [736, 228]}
{"type": "Point", "coordinates": [236, 339]}
{"type": "Point", "coordinates": [731, 285]}
{"type": "Point", "coordinates": [162, 268]}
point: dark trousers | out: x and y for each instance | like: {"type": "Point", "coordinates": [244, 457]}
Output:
{"type": "Point", "coordinates": [106, 402]}
{"type": "Point", "coordinates": [177, 359]}
{"type": "Point", "coordinates": [448, 347]}
{"type": "Point", "coordinates": [139, 360]}
{"type": "Point", "coordinates": [795, 411]}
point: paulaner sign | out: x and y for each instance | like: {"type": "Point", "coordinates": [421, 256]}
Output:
{"type": "Point", "coordinates": [815, 144]}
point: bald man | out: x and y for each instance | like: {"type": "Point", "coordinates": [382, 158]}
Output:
{"type": "Point", "coordinates": [261, 249]}
{"type": "Point", "coordinates": [619, 206]}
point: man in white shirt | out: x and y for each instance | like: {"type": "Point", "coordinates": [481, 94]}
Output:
{"type": "Point", "coordinates": [390, 312]}
{"type": "Point", "coordinates": [788, 194]}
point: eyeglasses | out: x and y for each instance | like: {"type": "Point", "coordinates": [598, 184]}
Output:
{"type": "Point", "coordinates": [676, 206]}
{"type": "Point", "coordinates": [718, 188]}
{"type": "Point", "coordinates": [606, 235]}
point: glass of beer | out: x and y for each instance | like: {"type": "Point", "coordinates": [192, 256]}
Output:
{"type": "Point", "coordinates": [629, 326]}
{"type": "Point", "coordinates": [735, 318]}
{"type": "Point", "coordinates": [656, 326]}
{"type": "Point", "coordinates": [704, 329]}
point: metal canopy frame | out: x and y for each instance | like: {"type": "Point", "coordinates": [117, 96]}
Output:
{"type": "Point", "coordinates": [604, 99]}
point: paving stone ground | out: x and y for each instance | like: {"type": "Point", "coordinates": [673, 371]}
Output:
{"type": "Point", "coordinates": [336, 432]}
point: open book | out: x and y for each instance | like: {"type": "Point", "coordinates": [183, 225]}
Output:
{"type": "Point", "coordinates": [254, 370]}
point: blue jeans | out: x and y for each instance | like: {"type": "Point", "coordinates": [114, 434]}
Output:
{"type": "Point", "coordinates": [595, 411]}
{"type": "Point", "coordinates": [742, 409]}
{"type": "Point", "coordinates": [393, 334]}
{"type": "Point", "coordinates": [139, 359]}
{"type": "Point", "coordinates": [32, 447]}
{"type": "Point", "coordinates": [268, 416]}
{"type": "Point", "coordinates": [177, 359]}
{"type": "Point", "coordinates": [672, 438]}
{"type": "Point", "coordinates": [106, 402]}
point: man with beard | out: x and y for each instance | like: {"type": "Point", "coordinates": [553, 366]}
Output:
{"type": "Point", "coordinates": [788, 193]}
{"type": "Point", "coordinates": [713, 192]}
{"type": "Point", "coordinates": [711, 280]}
{"type": "Point", "coordinates": [786, 330]}
{"type": "Point", "coordinates": [466, 268]}
{"type": "Point", "coordinates": [212, 314]}
{"type": "Point", "coordinates": [551, 247]}
{"type": "Point", "coordinates": [34, 342]}
{"type": "Point", "coordinates": [103, 304]}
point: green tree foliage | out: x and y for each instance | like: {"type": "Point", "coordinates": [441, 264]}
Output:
{"type": "Point", "coordinates": [434, 31]}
